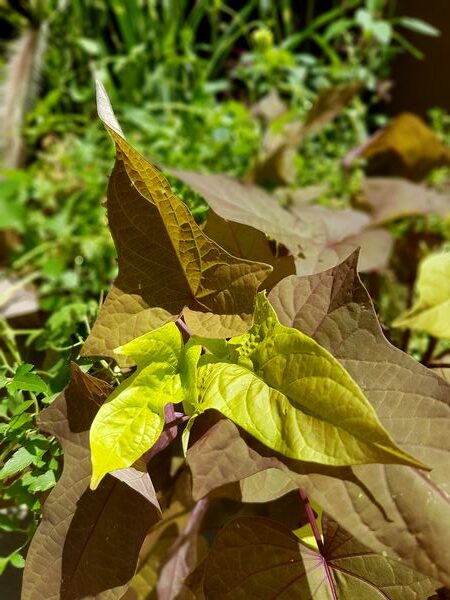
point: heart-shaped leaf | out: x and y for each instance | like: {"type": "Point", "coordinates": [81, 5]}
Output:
{"type": "Point", "coordinates": [293, 396]}
{"type": "Point", "coordinates": [406, 147]}
{"type": "Point", "coordinates": [318, 237]}
{"type": "Point", "coordinates": [254, 557]}
{"type": "Point", "coordinates": [167, 265]}
{"type": "Point", "coordinates": [398, 510]}
{"type": "Point", "coordinates": [249, 243]}
{"type": "Point", "coordinates": [392, 198]}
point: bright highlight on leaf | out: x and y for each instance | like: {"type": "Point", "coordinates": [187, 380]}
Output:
{"type": "Point", "coordinates": [133, 418]}
{"type": "Point", "coordinates": [431, 311]}
{"type": "Point", "coordinates": [292, 395]}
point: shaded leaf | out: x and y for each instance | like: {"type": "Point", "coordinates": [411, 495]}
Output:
{"type": "Point", "coordinates": [88, 542]}
{"type": "Point", "coordinates": [392, 198]}
{"type": "Point", "coordinates": [431, 311]}
{"type": "Point", "coordinates": [249, 243]}
{"type": "Point", "coordinates": [343, 231]}
{"type": "Point", "coordinates": [182, 556]}
{"type": "Point", "coordinates": [259, 558]}
{"type": "Point", "coordinates": [329, 104]}
{"type": "Point", "coordinates": [249, 205]}
{"type": "Point", "coordinates": [318, 237]}
{"type": "Point", "coordinates": [275, 164]}
{"type": "Point", "coordinates": [159, 542]}
{"type": "Point", "coordinates": [167, 266]}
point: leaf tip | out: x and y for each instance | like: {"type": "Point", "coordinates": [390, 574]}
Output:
{"type": "Point", "coordinates": [105, 110]}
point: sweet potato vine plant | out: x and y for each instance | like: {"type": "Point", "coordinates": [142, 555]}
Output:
{"type": "Point", "coordinates": [266, 441]}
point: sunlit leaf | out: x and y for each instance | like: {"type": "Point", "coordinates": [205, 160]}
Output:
{"type": "Point", "coordinates": [391, 198]}
{"type": "Point", "coordinates": [251, 244]}
{"type": "Point", "coordinates": [293, 396]}
{"type": "Point", "coordinates": [24, 379]}
{"type": "Point", "coordinates": [398, 510]}
{"type": "Point", "coordinates": [132, 419]}
{"type": "Point", "coordinates": [406, 147]}
{"type": "Point", "coordinates": [317, 237]}
{"type": "Point", "coordinates": [431, 311]}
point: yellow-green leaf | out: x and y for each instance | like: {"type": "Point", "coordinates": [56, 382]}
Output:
{"type": "Point", "coordinates": [133, 418]}
{"type": "Point", "coordinates": [291, 394]}
{"type": "Point", "coordinates": [431, 311]}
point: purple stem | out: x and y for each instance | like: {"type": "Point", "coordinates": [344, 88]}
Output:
{"type": "Point", "coordinates": [313, 522]}
{"type": "Point", "coordinates": [311, 519]}
{"type": "Point", "coordinates": [184, 327]}
{"type": "Point", "coordinates": [178, 421]}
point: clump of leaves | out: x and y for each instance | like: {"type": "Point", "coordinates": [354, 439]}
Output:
{"type": "Point", "coordinates": [242, 405]}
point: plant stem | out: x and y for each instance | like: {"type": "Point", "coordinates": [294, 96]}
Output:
{"type": "Point", "coordinates": [311, 519]}
{"type": "Point", "coordinates": [184, 327]}
{"type": "Point", "coordinates": [432, 341]}
{"type": "Point", "coordinates": [178, 421]}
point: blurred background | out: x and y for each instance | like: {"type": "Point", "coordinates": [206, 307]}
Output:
{"type": "Point", "coordinates": [198, 85]}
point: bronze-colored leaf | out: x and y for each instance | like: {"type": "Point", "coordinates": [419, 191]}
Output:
{"type": "Point", "coordinates": [249, 205]}
{"type": "Point", "coordinates": [319, 237]}
{"type": "Point", "coordinates": [398, 510]}
{"type": "Point", "coordinates": [182, 557]}
{"type": "Point", "coordinates": [411, 514]}
{"type": "Point", "coordinates": [270, 107]}
{"type": "Point", "coordinates": [343, 231]}
{"type": "Point", "coordinates": [329, 104]}
{"type": "Point", "coordinates": [275, 165]}
{"type": "Point", "coordinates": [249, 243]}
{"type": "Point", "coordinates": [406, 147]}
{"type": "Point", "coordinates": [391, 198]}
{"type": "Point", "coordinates": [87, 544]}
{"type": "Point", "coordinates": [167, 265]}
{"type": "Point", "coordinates": [254, 557]}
